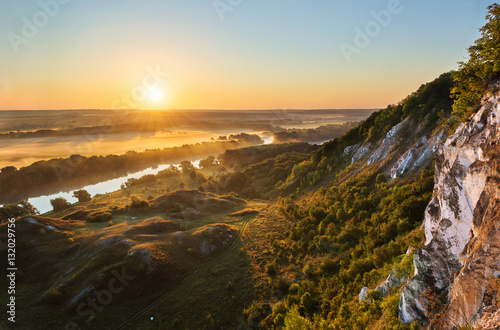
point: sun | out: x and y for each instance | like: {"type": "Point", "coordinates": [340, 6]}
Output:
{"type": "Point", "coordinates": [155, 94]}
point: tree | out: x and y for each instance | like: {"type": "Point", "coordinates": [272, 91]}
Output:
{"type": "Point", "coordinates": [187, 166]}
{"type": "Point", "coordinates": [8, 169]}
{"type": "Point", "coordinates": [59, 204]}
{"type": "Point", "coordinates": [17, 210]}
{"type": "Point", "coordinates": [484, 63]}
{"type": "Point", "coordinates": [208, 162]}
{"type": "Point", "coordinates": [82, 195]}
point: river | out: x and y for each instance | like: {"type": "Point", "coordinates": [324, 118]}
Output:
{"type": "Point", "coordinates": [42, 203]}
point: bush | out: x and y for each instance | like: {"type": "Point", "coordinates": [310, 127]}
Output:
{"type": "Point", "coordinates": [137, 202]}
{"type": "Point", "coordinates": [294, 288]}
{"type": "Point", "coordinates": [17, 210]}
{"type": "Point", "coordinates": [59, 204]}
{"type": "Point", "coordinates": [82, 195]}
{"type": "Point", "coordinates": [380, 178]}
{"type": "Point", "coordinates": [271, 269]}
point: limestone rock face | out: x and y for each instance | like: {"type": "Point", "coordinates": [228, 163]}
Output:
{"type": "Point", "coordinates": [389, 141]}
{"type": "Point", "coordinates": [392, 281]}
{"type": "Point", "coordinates": [462, 225]}
{"type": "Point", "coordinates": [360, 152]}
{"type": "Point", "coordinates": [420, 152]}
{"type": "Point", "coordinates": [362, 294]}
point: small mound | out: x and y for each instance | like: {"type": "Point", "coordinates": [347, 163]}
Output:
{"type": "Point", "coordinates": [89, 216]}
{"type": "Point", "coordinates": [153, 226]}
{"type": "Point", "coordinates": [36, 223]}
{"type": "Point", "coordinates": [77, 215]}
{"type": "Point", "coordinates": [182, 200]}
{"type": "Point", "coordinates": [185, 197]}
{"type": "Point", "coordinates": [244, 213]}
{"type": "Point", "coordinates": [209, 239]}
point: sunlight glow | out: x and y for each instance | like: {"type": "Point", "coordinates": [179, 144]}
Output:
{"type": "Point", "coordinates": [155, 94]}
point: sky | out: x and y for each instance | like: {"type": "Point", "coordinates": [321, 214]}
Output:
{"type": "Point", "coordinates": [228, 54]}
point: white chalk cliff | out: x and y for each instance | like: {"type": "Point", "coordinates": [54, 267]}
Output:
{"type": "Point", "coordinates": [461, 256]}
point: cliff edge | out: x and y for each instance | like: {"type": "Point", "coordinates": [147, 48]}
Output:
{"type": "Point", "coordinates": [459, 266]}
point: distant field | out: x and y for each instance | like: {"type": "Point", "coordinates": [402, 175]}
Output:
{"type": "Point", "coordinates": [29, 136]}
{"type": "Point", "coordinates": [23, 152]}
{"type": "Point", "coordinates": [31, 120]}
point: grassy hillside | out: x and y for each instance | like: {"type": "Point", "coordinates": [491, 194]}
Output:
{"type": "Point", "coordinates": [347, 226]}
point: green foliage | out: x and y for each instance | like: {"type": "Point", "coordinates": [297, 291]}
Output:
{"type": "Point", "coordinates": [208, 162]}
{"type": "Point", "coordinates": [175, 208]}
{"type": "Point", "coordinates": [46, 173]}
{"type": "Point", "coordinates": [240, 158]}
{"type": "Point", "coordinates": [106, 216]}
{"type": "Point", "coordinates": [483, 66]}
{"type": "Point", "coordinates": [137, 202]}
{"type": "Point", "coordinates": [429, 100]}
{"type": "Point", "coordinates": [294, 321]}
{"type": "Point", "coordinates": [187, 167]}
{"type": "Point", "coordinates": [17, 210]}
{"type": "Point", "coordinates": [59, 204]}
{"type": "Point", "coordinates": [348, 235]}
{"type": "Point", "coordinates": [380, 178]}
{"type": "Point", "coordinates": [82, 195]}
{"type": "Point", "coordinates": [261, 180]}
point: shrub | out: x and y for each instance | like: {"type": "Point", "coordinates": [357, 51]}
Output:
{"type": "Point", "coordinates": [59, 204]}
{"type": "Point", "coordinates": [294, 288]}
{"type": "Point", "coordinates": [175, 208]}
{"type": "Point", "coordinates": [271, 269]}
{"type": "Point", "coordinates": [380, 178]}
{"type": "Point", "coordinates": [137, 202]}
{"type": "Point", "coordinates": [106, 216]}
{"type": "Point", "coordinates": [82, 195]}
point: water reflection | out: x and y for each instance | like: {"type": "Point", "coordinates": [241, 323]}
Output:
{"type": "Point", "coordinates": [42, 203]}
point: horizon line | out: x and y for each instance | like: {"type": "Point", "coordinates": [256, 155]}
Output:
{"type": "Point", "coordinates": [194, 109]}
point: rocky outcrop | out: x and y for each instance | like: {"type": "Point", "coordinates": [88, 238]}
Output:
{"type": "Point", "coordinates": [392, 281]}
{"type": "Point", "coordinates": [384, 146]}
{"type": "Point", "coordinates": [360, 152]}
{"type": "Point", "coordinates": [460, 257]}
{"type": "Point", "coordinates": [419, 153]}
{"type": "Point", "coordinates": [389, 141]}
{"type": "Point", "coordinates": [363, 294]}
